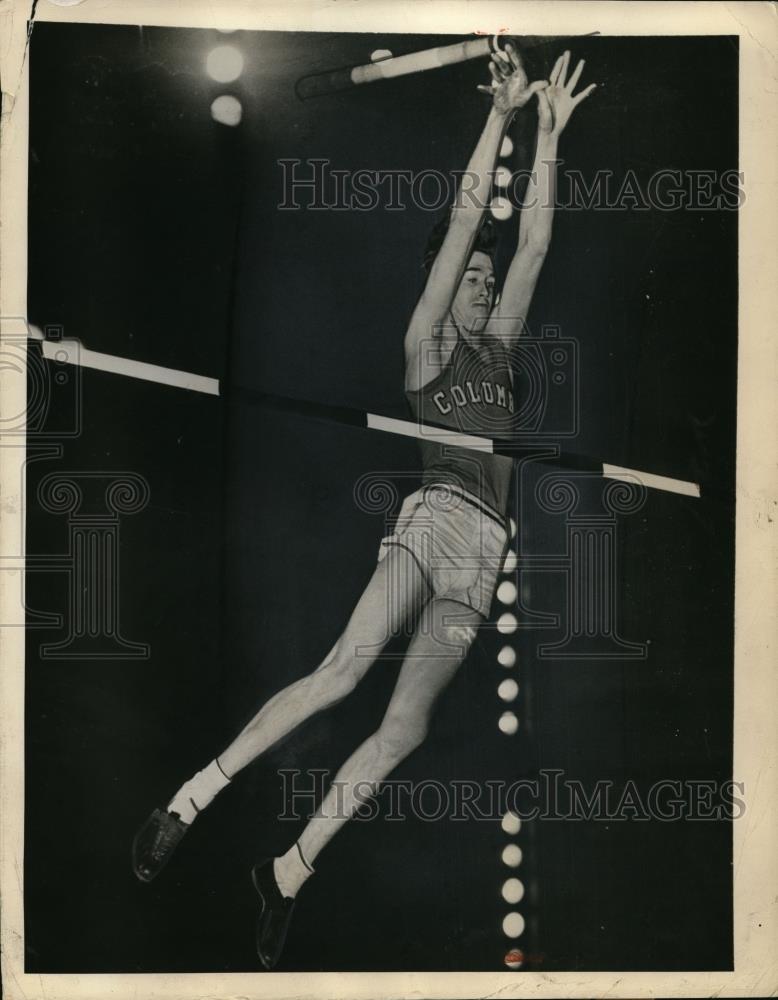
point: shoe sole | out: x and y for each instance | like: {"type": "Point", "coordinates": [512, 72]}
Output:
{"type": "Point", "coordinates": [149, 876]}
{"type": "Point", "coordinates": [261, 914]}
{"type": "Point", "coordinates": [142, 876]}
{"type": "Point", "coordinates": [258, 891]}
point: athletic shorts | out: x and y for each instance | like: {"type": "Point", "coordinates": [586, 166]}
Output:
{"type": "Point", "coordinates": [458, 542]}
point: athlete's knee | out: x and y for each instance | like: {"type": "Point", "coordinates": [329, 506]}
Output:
{"type": "Point", "coordinates": [455, 632]}
{"type": "Point", "coordinates": [399, 735]}
{"type": "Point", "coordinates": [336, 675]}
{"type": "Point", "coordinates": [461, 634]}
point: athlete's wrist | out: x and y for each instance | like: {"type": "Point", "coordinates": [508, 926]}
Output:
{"type": "Point", "coordinates": [502, 116]}
{"type": "Point", "coordinates": [547, 143]}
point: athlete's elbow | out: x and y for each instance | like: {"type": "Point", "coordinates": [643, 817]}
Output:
{"type": "Point", "coordinates": [537, 245]}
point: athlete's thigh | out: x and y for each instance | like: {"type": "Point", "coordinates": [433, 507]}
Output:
{"type": "Point", "coordinates": [390, 604]}
{"type": "Point", "coordinates": [444, 633]}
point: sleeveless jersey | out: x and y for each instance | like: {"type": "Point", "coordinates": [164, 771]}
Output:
{"type": "Point", "coordinates": [472, 394]}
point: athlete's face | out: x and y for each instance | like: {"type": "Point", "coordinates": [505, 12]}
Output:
{"type": "Point", "coordinates": [475, 295]}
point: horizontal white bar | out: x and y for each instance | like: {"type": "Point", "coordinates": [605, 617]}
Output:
{"type": "Point", "coordinates": [651, 480]}
{"type": "Point", "coordinates": [427, 433]}
{"type": "Point", "coordinates": [418, 62]}
{"type": "Point", "coordinates": [394, 426]}
{"type": "Point", "coordinates": [73, 353]}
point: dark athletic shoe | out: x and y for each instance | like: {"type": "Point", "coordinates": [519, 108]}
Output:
{"type": "Point", "coordinates": [155, 842]}
{"type": "Point", "coordinates": [274, 916]}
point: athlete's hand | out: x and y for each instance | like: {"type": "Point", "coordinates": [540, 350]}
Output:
{"type": "Point", "coordinates": [509, 88]}
{"type": "Point", "coordinates": [556, 103]}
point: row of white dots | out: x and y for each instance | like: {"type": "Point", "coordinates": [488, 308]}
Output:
{"type": "Point", "coordinates": [500, 207]}
{"type": "Point", "coordinates": [507, 691]}
{"type": "Point", "coordinates": [512, 888]}
{"type": "Point", "coordinates": [225, 64]}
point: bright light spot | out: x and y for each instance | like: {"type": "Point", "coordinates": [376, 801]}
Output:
{"type": "Point", "coordinates": [506, 592]}
{"type": "Point", "coordinates": [513, 891]}
{"type": "Point", "coordinates": [507, 146]}
{"type": "Point", "coordinates": [510, 562]}
{"type": "Point", "coordinates": [379, 55]}
{"type": "Point", "coordinates": [227, 110]}
{"type": "Point", "coordinates": [511, 855]}
{"type": "Point", "coordinates": [511, 823]}
{"type": "Point", "coordinates": [515, 958]}
{"type": "Point", "coordinates": [507, 656]}
{"type": "Point", "coordinates": [506, 624]}
{"type": "Point", "coordinates": [513, 527]}
{"type": "Point", "coordinates": [513, 925]}
{"type": "Point", "coordinates": [508, 723]}
{"type": "Point", "coordinates": [501, 209]}
{"type": "Point", "coordinates": [224, 64]}
{"type": "Point", "coordinates": [508, 689]}
{"type": "Point", "coordinates": [502, 177]}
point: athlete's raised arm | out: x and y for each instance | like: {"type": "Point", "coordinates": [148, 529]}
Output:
{"type": "Point", "coordinates": [555, 106]}
{"type": "Point", "coordinates": [509, 90]}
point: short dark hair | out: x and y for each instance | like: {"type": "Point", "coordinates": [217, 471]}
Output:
{"type": "Point", "coordinates": [485, 241]}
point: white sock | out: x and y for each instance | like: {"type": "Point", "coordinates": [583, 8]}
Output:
{"type": "Point", "coordinates": [290, 871]}
{"type": "Point", "coordinates": [194, 795]}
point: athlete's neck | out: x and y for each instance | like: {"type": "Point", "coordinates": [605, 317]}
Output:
{"type": "Point", "coordinates": [473, 337]}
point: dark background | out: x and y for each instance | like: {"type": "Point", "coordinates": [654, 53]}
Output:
{"type": "Point", "coordinates": [154, 234]}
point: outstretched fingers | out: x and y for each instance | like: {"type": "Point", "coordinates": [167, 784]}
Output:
{"type": "Point", "coordinates": [514, 56]}
{"type": "Point", "coordinates": [564, 63]}
{"type": "Point", "coordinates": [553, 77]}
{"type": "Point", "coordinates": [504, 64]}
{"type": "Point", "coordinates": [576, 76]}
{"type": "Point", "coordinates": [496, 76]}
{"type": "Point", "coordinates": [584, 93]}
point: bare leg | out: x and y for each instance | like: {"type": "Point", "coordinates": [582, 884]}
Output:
{"type": "Point", "coordinates": [392, 599]}
{"type": "Point", "coordinates": [445, 633]}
